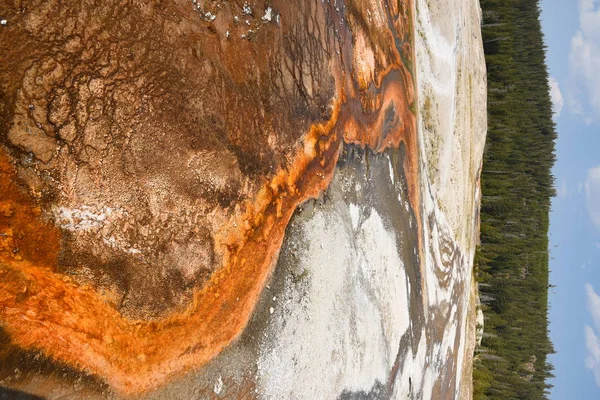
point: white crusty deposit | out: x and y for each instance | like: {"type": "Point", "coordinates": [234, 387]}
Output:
{"type": "Point", "coordinates": [451, 81]}
{"type": "Point", "coordinates": [335, 332]}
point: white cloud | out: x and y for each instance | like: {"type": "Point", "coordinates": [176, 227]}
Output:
{"type": "Point", "coordinates": [593, 304]}
{"type": "Point", "coordinates": [592, 359]}
{"type": "Point", "coordinates": [592, 194]}
{"type": "Point", "coordinates": [562, 191]}
{"type": "Point", "coordinates": [584, 62]}
{"type": "Point", "coordinates": [592, 342]}
{"type": "Point", "coordinates": [557, 98]}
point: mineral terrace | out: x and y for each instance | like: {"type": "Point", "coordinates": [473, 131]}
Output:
{"type": "Point", "coordinates": [239, 199]}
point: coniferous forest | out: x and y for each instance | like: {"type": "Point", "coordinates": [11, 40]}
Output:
{"type": "Point", "coordinates": [512, 260]}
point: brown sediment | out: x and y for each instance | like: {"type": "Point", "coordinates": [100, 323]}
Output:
{"type": "Point", "coordinates": [70, 322]}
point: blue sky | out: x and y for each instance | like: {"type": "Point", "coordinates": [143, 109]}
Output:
{"type": "Point", "coordinates": [572, 31]}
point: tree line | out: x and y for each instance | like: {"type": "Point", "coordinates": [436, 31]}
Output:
{"type": "Point", "coordinates": [511, 262]}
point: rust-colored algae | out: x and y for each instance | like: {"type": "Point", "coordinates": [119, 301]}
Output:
{"type": "Point", "coordinates": [45, 310]}
{"type": "Point", "coordinates": [23, 235]}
